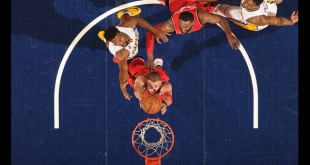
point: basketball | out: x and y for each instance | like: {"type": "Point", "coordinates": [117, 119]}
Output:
{"type": "Point", "coordinates": [151, 104]}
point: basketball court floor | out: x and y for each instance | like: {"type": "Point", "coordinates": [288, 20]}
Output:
{"type": "Point", "coordinates": [212, 111]}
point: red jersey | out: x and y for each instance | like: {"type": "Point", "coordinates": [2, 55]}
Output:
{"type": "Point", "coordinates": [176, 7]}
{"type": "Point", "coordinates": [137, 67]}
{"type": "Point", "coordinates": [175, 19]}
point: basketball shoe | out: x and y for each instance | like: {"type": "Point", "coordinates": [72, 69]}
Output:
{"type": "Point", "coordinates": [101, 35]}
{"type": "Point", "coordinates": [159, 62]}
{"type": "Point", "coordinates": [132, 11]}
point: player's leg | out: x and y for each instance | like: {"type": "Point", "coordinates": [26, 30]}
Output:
{"type": "Point", "coordinates": [228, 11]}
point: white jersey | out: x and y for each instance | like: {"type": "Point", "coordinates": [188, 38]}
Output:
{"type": "Point", "coordinates": [239, 14]}
{"type": "Point", "coordinates": [132, 47]}
{"type": "Point", "coordinates": [265, 8]}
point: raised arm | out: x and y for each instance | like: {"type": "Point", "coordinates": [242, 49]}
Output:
{"type": "Point", "coordinates": [150, 37]}
{"type": "Point", "coordinates": [160, 35]}
{"type": "Point", "coordinates": [131, 21]}
{"type": "Point", "coordinates": [273, 20]}
{"type": "Point", "coordinates": [206, 17]}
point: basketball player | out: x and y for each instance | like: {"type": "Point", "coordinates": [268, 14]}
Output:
{"type": "Point", "coordinates": [188, 16]}
{"type": "Point", "coordinates": [122, 40]}
{"type": "Point", "coordinates": [145, 81]}
{"type": "Point", "coordinates": [256, 15]}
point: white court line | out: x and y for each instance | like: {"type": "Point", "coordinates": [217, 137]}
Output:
{"type": "Point", "coordinates": [76, 40]}
{"type": "Point", "coordinates": [254, 83]}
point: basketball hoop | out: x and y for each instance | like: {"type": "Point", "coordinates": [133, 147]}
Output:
{"type": "Point", "coordinates": [152, 151]}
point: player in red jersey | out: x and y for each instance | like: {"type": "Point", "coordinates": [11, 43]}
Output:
{"type": "Point", "coordinates": [145, 81]}
{"type": "Point", "coordinates": [188, 16]}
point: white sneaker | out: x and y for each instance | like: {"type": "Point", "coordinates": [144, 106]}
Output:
{"type": "Point", "coordinates": [158, 61]}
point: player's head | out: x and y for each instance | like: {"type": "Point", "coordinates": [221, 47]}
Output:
{"type": "Point", "coordinates": [112, 34]}
{"type": "Point", "coordinates": [153, 82]}
{"type": "Point", "coordinates": [186, 22]}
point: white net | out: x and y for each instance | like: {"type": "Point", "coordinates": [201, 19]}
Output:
{"type": "Point", "coordinates": [157, 148]}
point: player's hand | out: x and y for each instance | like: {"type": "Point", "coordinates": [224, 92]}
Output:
{"type": "Point", "coordinates": [294, 17]}
{"type": "Point", "coordinates": [150, 63]}
{"type": "Point", "coordinates": [161, 35]}
{"type": "Point", "coordinates": [163, 109]}
{"type": "Point", "coordinates": [124, 91]}
{"type": "Point", "coordinates": [233, 41]}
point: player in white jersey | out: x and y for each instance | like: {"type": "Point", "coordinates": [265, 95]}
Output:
{"type": "Point", "coordinates": [255, 15]}
{"type": "Point", "coordinates": [131, 44]}
{"type": "Point", "coordinates": [122, 40]}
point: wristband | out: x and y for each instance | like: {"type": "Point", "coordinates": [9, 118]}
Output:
{"type": "Point", "coordinates": [166, 95]}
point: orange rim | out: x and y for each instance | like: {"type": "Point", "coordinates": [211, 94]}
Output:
{"type": "Point", "coordinates": [151, 158]}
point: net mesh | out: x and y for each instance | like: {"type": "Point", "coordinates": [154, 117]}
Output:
{"type": "Point", "coordinates": [153, 149]}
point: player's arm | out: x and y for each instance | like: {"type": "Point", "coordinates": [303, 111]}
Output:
{"type": "Point", "coordinates": [139, 87]}
{"type": "Point", "coordinates": [166, 89]}
{"type": "Point", "coordinates": [166, 96]}
{"type": "Point", "coordinates": [150, 37]}
{"type": "Point", "coordinates": [160, 35]}
{"type": "Point", "coordinates": [121, 56]}
{"type": "Point", "coordinates": [273, 20]}
{"type": "Point", "coordinates": [206, 17]}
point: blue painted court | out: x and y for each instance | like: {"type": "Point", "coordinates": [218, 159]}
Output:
{"type": "Point", "coordinates": [212, 111]}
